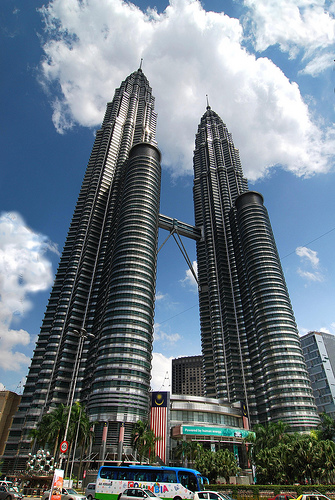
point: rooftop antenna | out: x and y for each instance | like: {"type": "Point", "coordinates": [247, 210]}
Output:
{"type": "Point", "coordinates": [208, 106]}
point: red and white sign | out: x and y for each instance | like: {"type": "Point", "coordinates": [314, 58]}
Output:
{"type": "Point", "coordinates": [64, 446]}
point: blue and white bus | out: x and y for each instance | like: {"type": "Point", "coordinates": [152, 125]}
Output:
{"type": "Point", "coordinates": [171, 483]}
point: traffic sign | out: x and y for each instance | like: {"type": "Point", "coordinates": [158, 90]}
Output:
{"type": "Point", "coordinates": [64, 446]}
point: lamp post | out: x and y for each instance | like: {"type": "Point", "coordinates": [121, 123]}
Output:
{"type": "Point", "coordinates": [82, 333]}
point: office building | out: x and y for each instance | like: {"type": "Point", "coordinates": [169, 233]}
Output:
{"type": "Point", "coordinates": [213, 423]}
{"type": "Point", "coordinates": [187, 376]}
{"type": "Point", "coordinates": [319, 352]}
{"type": "Point", "coordinates": [250, 343]}
{"type": "Point", "coordinates": [9, 402]}
{"type": "Point", "coordinates": [95, 343]}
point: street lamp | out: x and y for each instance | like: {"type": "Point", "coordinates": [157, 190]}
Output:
{"type": "Point", "coordinates": [82, 333]}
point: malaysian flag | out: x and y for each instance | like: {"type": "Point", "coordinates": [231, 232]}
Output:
{"type": "Point", "coordinates": [158, 422]}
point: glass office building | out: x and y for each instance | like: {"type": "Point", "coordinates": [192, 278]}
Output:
{"type": "Point", "coordinates": [104, 290]}
{"type": "Point", "coordinates": [250, 343]}
{"type": "Point", "coordinates": [319, 352]}
{"type": "Point", "coordinates": [95, 343]}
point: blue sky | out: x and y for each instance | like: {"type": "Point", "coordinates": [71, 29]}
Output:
{"type": "Point", "coordinates": [268, 69]}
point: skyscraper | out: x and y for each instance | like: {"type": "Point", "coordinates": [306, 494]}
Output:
{"type": "Point", "coordinates": [250, 342]}
{"type": "Point", "coordinates": [95, 343]}
{"type": "Point", "coordinates": [187, 376]}
{"type": "Point", "coordinates": [319, 352]}
{"type": "Point", "coordinates": [104, 290]}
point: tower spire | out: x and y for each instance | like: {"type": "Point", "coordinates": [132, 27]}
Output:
{"type": "Point", "coordinates": [207, 100]}
{"type": "Point", "coordinates": [141, 64]}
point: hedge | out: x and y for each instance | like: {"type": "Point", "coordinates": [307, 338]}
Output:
{"type": "Point", "coordinates": [257, 491]}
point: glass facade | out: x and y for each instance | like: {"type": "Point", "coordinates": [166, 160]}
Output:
{"type": "Point", "coordinates": [105, 283]}
{"type": "Point", "coordinates": [319, 352]}
{"type": "Point", "coordinates": [250, 342]}
{"type": "Point", "coordinates": [105, 287]}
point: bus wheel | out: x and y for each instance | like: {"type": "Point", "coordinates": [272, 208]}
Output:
{"type": "Point", "coordinates": [177, 498]}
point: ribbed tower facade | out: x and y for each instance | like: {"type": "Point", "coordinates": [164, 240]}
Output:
{"type": "Point", "coordinates": [95, 343]}
{"type": "Point", "coordinates": [105, 284]}
{"type": "Point", "coordinates": [250, 343]}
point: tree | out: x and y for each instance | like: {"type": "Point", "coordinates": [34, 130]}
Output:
{"type": "Point", "coordinates": [326, 428]}
{"type": "Point", "coordinates": [51, 429]}
{"type": "Point", "coordinates": [216, 464]}
{"type": "Point", "coordinates": [226, 464]}
{"type": "Point", "coordinates": [79, 431]}
{"type": "Point", "coordinates": [281, 457]}
{"type": "Point", "coordinates": [187, 451]}
{"type": "Point", "coordinates": [143, 440]}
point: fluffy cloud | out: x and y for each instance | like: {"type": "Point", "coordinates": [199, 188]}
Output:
{"type": "Point", "coordinates": [166, 338]}
{"type": "Point", "coordinates": [189, 279]}
{"type": "Point", "coordinates": [309, 255]}
{"type": "Point", "coordinates": [309, 258]}
{"type": "Point", "coordinates": [292, 24]}
{"type": "Point", "coordinates": [24, 270]}
{"type": "Point", "coordinates": [90, 47]}
{"type": "Point", "coordinates": [161, 372]}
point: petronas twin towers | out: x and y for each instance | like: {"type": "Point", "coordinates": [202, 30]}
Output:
{"type": "Point", "coordinates": [95, 343]}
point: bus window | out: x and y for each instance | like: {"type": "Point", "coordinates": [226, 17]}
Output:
{"type": "Point", "coordinates": [202, 481]}
{"type": "Point", "coordinates": [122, 475]}
{"type": "Point", "coordinates": [141, 475]}
{"type": "Point", "coordinates": [170, 477]}
{"type": "Point", "coordinates": [188, 480]}
{"type": "Point", "coordinates": [106, 473]}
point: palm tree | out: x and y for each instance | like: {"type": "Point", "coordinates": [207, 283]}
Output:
{"type": "Point", "coordinates": [326, 427]}
{"type": "Point", "coordinates": [187, 451]}
{"type": "Point", "coordinates": [79, 430]}
{"type": "Point", "coordinates": [216, 464]}
{"type": "Point", "coordinates": [51, 429]}
{"type": "Point", "coordinates": [226, 464]}
{"type": "Point", "coordinates": [143, 439]}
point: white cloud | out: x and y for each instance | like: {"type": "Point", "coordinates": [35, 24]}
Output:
{"type": "Point", "coordinates": [24, 270]}
{"type": "Point", "coordinates": [166, 338]}
{"type": "Point", "coordinates": [189, 279]}
{"type": "Point", "coordinates": [309, 258]}
{"type": "Point", "coordinates": [188, 53]}
{"type": "Point", "coordinates": [319, 64]}
{"type": "Point", "coordinates": [160, 296]}
{"type": "Point", "coordinates": [324, 330]}
{"type": "Point", "coordinates": [161, 372]}
{"type": "Point", "coordinates": [294, 25]}
{"type": "Point", "coordinates": [310, 255]}
{"type": "Point", "coordinates": [310, 276]}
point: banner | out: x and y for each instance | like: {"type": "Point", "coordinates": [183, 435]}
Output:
{"type": "Point", "coordinates": [158, 422]}
{"type": "Point", "coordinates": [57, 485]}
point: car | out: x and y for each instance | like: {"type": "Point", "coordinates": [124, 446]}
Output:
{"type": "Point", "coordinates": [211, 495]}
{"type": "Point", "coordinates": [9, 493]}
{"type": "Point", "coordinates": [137, 493]}
{"type": "Point", "coordinates": [90, 491]}
{"type": "Point", "coordinates": [282, 497]}
{"type": "Point", "coordinates": [67, 494]}
{"type": "Point", "coordinates": [313, 496]}
{"type": "Point", "coordinates": [6, 483]}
